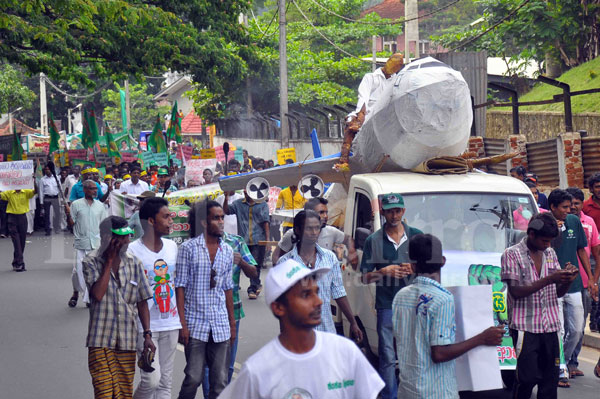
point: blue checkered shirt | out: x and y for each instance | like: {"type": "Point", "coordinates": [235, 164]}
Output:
{"type": "Point", "coordinates": [204, 307]}
{"type": "Point", "coordinates": [330, 285]}
{"type": "Point", "coordinates": [423, 316]}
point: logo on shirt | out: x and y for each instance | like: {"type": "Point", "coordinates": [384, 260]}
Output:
{"type": "Point", "coordinates": [340, 384]}
{"type": "Point", "coordinates": [421, 308]}
{"type": "Point", "coordinates": [570, 234]}
{"type": "Point", "coordinates": [297, 393]}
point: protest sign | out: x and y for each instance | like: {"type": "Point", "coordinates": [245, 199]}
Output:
{"type": "Point", "coordinates": [161, 159]}
{"type": "Point", "coordinates": [208, 153]}
{"type": "Point", "coordinates": [77, 154]}
{"type": "Point", "coordinates": [129, 156]}
{"type": "Point", "coordinates": [16, 175]}
{"type": "Point", "coordinates": [180, 229]}
{"type": "Point", "coordinates": [286, 153]}
{"type": "Point", "coordinates": [103, 159]}
{"type": "Point", "coordinates": [478, 369]}
{"type": "Point", "coordinates": [185, 152]}
{"type": "Point", "coordinates": [273, 196]}
{"type": "Point", "coordinates": [239, 155]}
{"type": "Point", "coordinates": [177, 162]}
{"type": "Point", "coordinates": [38, 143]}
{"type": "Point", "coordinates": [146, 158]}
{"type": "Point", "coordinates": [195, 167]}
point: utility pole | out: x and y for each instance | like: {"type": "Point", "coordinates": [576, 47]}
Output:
{"type": "Point", "coordinates": [43, 106]}
{"type": "Point", "coordinates": [374, 47]}
{"type": "Point", "coordinates": [283, 81]}
{"type": "Point", "coordinates": [411, 28]}
{"type": "Point", "coordinates": [127, 109]}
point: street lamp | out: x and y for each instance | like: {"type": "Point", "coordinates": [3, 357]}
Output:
{"type": "Point", "coordinates": [69, 116]}
{"type": "Point", "coordinates": [10, 124]}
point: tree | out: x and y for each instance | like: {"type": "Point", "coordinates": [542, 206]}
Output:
{"type": "Point", "coordinates": [564, 30]}
{"type": "Point", "coordinates": [117, 38]}
{"type": "Point", "coordinates": [142, 108]}
{"type": "Point", "coordinates": [13, 92]}
{"type": "Point", "coordinates": [318, 72]}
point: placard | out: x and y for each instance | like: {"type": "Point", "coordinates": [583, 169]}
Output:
{"type": "Point", "coordinates": [16, 175]}
{"type": "Point", "coordinates": [185, 152]}
{"type": "Point", "coordinates": [35, 156]}
{"type": "Point", "coordinates": [238, 155]}
{"type": "Point", "coordinates": [38, 143]}
{"type": "Point", "coordinates": [129, 156]}
{"type": "Point", "coordinates": [177, 162]}
{"type": "Point", "coordinates": [478, 369]}
{"type": "Point", "coordinates": [195, 167]}
{"type": "Point", "coordinates": [77, 154]}
{"type": "Point", "coordinates": [273, 197]}
{"type": "Point", "coordinates": [161, 159]}
{"type": "Point", "coordinates": [286, 153]}
{"type": "Point", "coordinates": [208, 153]}
{"type": "Point", "coordinates": [6, 143]}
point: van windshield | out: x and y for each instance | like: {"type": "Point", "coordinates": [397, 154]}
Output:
{"type": "Point", "coordinates": [471, 222]}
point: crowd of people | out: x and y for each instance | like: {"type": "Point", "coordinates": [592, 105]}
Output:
{"type": "Point", "coordinates": [145, 293]}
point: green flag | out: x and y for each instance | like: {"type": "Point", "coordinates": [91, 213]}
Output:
{"type": "Point", "coordinates": [123, 110]}
{"type": "Point", "coordinates": [113, 150]}
{"type": "Point", "coordinates": [86, 134]}
{"type": "Point", "coordinates": [156, 140]}
{"type": "Point", "coordinates": [54, 136]}
{"type": "Point", "coordinates": [93, 129]}
{"type": "Point", "coordinates": [174, 130]}
{"type": "Point", "coordinates": [17, 149]}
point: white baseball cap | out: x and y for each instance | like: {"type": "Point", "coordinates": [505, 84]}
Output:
{"type": "Point", "coordinates": [283, 276]}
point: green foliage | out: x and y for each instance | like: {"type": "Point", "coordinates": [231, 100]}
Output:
{"type": "Point", "coordinates": [143, 109]}
{"type": "Point", "coordinates": [13, 92]}
{"type": "Point", "coordinates": [579, 78]}
{"type": "Point", "coordinates": [318, 73]}
{"type": "Point", "coordinates": [117, 38]}
{"type": "Point", "coordinates": [563, 29]}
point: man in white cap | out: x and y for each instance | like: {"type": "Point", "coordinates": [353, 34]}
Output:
{"type": "Point", "coordinates": [302, 362]}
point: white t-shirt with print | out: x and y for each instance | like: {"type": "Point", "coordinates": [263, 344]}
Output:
{"type": "Point", "coordinates": [334, 368]}
{"type": "Point", "coordinates": [328, 237]}
{"type": "Point", "coordinates": [163, 306]}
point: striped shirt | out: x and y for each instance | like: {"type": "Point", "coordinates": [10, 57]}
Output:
{"type": "Point", "coordinates": [205, 309]}
{"type": "Point", "coordinates": [423, 316]}
{"type": "Point", "coordinates": [250, 220]}
{"type": "Point", "coordinates": [330, 285]}
{"type": "Point", "coordinates": [238, 245]}
{"type": "Point", "coordinates": [113, 320]}
{"type": "Point", "coordinates": [538, 312]}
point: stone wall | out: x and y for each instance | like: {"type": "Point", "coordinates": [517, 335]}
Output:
{"type": "Point", "coordinates": [538, 126]}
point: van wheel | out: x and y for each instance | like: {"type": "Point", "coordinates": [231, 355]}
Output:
{"type": "Point", "coordinates": [508, 377]}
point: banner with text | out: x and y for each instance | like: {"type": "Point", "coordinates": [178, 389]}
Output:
{"type": "Point", "coordinates": [16, 175]}
{"type": "Point", "coordinates": [286, 153]}
{"type": "Point", "coordinates": [195, 167]}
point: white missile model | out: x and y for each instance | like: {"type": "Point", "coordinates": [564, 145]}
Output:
{"type": "Point", "coordinates": [424, 112]}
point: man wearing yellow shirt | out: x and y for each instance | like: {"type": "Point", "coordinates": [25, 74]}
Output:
{"type": "Point", "coordinates": [290, 198]}
{"type": "Point", "coordinates": [16, 210]}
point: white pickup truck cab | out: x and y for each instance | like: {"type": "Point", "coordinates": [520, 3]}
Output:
{"type": "Point", "coordinates": [475, 215]}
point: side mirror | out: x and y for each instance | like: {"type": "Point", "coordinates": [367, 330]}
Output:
{"type": "Point", "coordinates": [360, 236]}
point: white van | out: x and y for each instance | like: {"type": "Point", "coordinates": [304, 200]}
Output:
{"type": "Point", "coordinates": [475, 215]}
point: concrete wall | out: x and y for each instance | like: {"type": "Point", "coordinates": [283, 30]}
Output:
{"type": "Point", "coordinates": [266, 149]}
{"type": "Point", "coordinates": [537, 126]}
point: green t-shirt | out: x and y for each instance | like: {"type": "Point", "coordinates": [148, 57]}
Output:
{"type": "Point", "coordinates": [378, 253]}
{"type": "Point", "coordinates": [570, 239]}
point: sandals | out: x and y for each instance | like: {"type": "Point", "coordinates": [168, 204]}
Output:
{"type": "Point", "coordinates": [564, 383]}
{"type": "Point", "coordinates": [73, 301]}
{"type": "Point", "coordinates": [575, 373]}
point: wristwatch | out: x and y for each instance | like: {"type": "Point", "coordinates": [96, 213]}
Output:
{"type": "Point", "coordinates": [147, 332]}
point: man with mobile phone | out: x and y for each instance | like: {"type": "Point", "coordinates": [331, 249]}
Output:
{"type": "Point", "coordinates": [570, 246]}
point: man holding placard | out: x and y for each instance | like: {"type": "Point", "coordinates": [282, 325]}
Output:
{"type": "Point", "coordinates": [16, 211]}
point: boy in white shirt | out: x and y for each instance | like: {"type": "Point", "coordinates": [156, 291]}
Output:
{"type": "Point", "coordinates": [158, 256]}
{"type": "Point", "coordinates": [302, 361]}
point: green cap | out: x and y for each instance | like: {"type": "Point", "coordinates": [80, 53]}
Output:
{"type": "Point", "coordinates": [392, 200]}
{"type": "Point", "coordinates": [153, 163]}
{"type": "Point", "coordinates": [123, 231]}
{"type": "Point", "coordinates": [163, 172]}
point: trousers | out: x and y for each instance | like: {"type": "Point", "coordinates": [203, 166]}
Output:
{"type": "Point", "coordinates": [17, 229]}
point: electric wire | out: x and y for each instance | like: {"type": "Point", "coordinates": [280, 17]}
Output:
{"type": "Point", "coordinates": [64, 93]}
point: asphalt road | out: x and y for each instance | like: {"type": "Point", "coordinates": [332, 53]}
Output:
{"type": "Point", "coordinates": [42, 353]}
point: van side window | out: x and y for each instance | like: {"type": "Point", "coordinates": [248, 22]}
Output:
{"type": "Point", "coordinates": [363, 226]}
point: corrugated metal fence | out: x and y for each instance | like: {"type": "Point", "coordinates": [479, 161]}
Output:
{"type": "Point", "coordinates": [494, 147]}
{"type": "Point", "coordinates": [590, 154]}
{"type": "Point", "coordinates": [542, 158]}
